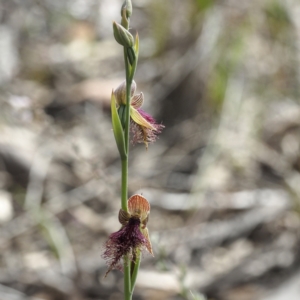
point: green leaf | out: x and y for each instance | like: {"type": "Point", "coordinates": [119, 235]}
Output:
{"type": "Point", "coordinates": [117, 128]}
{"type": "Point", "coordinates": [136, 45]}
{"type": "Point", "coordinates": [131, 55]}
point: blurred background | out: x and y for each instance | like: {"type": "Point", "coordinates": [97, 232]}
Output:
{"type": "Point", "coordinates": [223, 179]}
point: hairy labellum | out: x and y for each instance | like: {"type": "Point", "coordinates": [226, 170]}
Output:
{"type": "Point", "coordinates": [126, 241]}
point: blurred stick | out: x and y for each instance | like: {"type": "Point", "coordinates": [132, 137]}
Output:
{"type": "Point", "coordinates": [55, 232]}
{"type": "Point", "coordinates": [211, 234]}
{"type": "Point", "coordinates": [56, 205]}
{"type": "Point", "coordinates": [7, 293]}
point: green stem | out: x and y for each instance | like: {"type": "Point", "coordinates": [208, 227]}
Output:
{"type": "Point", "coordinates": [127, 111]}
{"type": "Point", "coordinates": [124, 197]}
{"type": "Point", "coordinates": [124, 192]}
{"type": "Point", "coordinates": [127, 280]}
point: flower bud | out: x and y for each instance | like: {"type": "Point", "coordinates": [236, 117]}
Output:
{"type": "Point", "coordinates": [123, 36]}
{"type": "Point", "coordinates": [127, 5]}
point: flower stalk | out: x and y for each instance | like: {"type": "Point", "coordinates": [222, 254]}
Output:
{"type": "Point", "coordinates": [128, 289]}
{"type": "Point", "coordinates": [129, 120]}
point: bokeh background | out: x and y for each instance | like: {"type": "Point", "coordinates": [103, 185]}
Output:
{"type": "Point", "coordinates": [223, 180]}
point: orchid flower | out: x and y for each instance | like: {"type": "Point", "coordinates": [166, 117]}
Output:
{"type": "Point", "coordinates": [133, 235]}
{"type": "Point", "coordinates": [143, 126]}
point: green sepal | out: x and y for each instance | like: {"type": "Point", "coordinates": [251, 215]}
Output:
{"type": "Point", "coordinates": [117, 128]}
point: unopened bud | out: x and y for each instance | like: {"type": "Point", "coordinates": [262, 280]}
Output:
{"type": "Point", "coordinates": [122, 36]}
{"type": "Point", "coordinates": [127, 5]}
